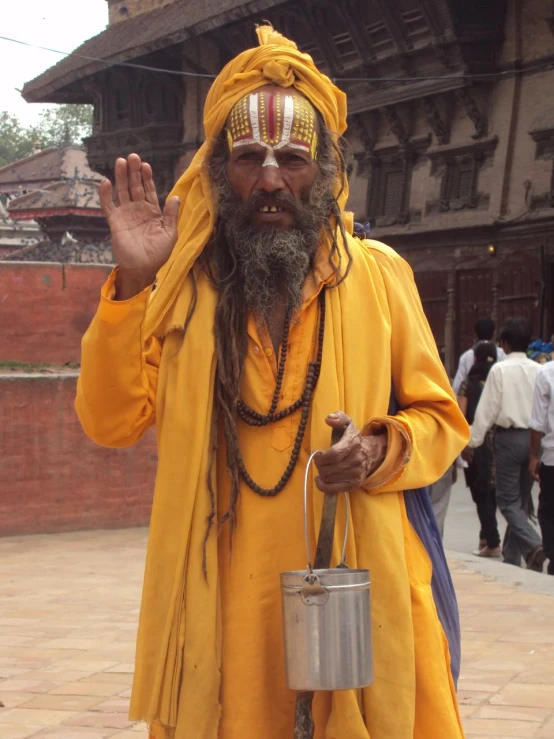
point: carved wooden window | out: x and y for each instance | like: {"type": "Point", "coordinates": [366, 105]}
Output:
{"type": "Point", "coordinates": [381, 40]}
{"type": "Point", "coordinates": [393, 192]}
{"type": "Point", "coordinates": [460, 179]}
{"type": "Point", "coordinates": [544, 150]}
{"type": "Point", "coordinates": [97, 116]}
{"type": "Point", "coordinates": [388, 190]}
{"type": "Point", "coordinates": [346, 50]}
{"type": "Point", "coordinates": [314, 51]}
{"type": "Point", "coordinates": [459, 169]}
{"type": "Point", "coordinates": [298, 30]}
{"type": "Point", "coordinates": [153, 100]}
{"type": "Point", "coordinates": [459, 183]}
{"type": "Point", "coordinates": [415, 24]}
{"type": "Point", "coordinates": [121, 105]}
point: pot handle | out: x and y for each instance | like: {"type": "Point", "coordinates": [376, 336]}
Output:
{"type": "Point", "coordinates": [306, 536]}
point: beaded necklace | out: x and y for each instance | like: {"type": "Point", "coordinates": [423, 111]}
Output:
{"type": "Point", "coordinates": [253, 418]}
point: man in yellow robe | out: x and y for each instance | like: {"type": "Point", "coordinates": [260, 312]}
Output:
{"type": "Point", "coordinates": [244, 321]}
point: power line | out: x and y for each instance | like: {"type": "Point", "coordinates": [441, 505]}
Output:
{"type": "Point", "coordinates": [404, 80]}
{"type": "Point", "coordinates": [110, 63]}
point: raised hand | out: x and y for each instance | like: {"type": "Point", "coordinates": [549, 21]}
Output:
{"type": "Point", "coordinates": [142, 235]}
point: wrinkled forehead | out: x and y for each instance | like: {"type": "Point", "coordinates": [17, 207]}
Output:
{"type": "Point", "coordinates": [273, 117]}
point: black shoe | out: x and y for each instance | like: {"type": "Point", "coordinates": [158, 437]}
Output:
{"type": "Point", "coordinates": [536, 560]}
{"type": "Point", "coordinates": [550, 568]}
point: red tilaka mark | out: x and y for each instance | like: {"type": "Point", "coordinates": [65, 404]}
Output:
{"type": "Point", "coordinates": [271, 116]}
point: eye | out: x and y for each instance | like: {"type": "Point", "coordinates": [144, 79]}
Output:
{"type": "Point", "coordinates": [249, 156]}
{"type": "Point", "coordinates": [294, 160]}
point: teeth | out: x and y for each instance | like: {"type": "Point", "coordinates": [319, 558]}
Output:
{"type": "Point", "coordinates": [273, 209]}
{"type": "Point", "coordinates": [264, 209]}
{"type": "Point", "coordinates": [270, 209]}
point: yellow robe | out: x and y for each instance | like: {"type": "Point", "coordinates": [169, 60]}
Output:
{"type": "Point", "coordinates": [375, 329]}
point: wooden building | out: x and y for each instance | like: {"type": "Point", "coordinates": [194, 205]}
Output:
{"type": "Point", "coordinates": [451, 126]}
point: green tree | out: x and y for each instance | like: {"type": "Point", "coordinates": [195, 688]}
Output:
{"type": "Point", "coordinates": [55, 127]}
{"type": "Point", "coordinates": [64, 124]}
{"type": "Point", "coordinates": [16, 141]}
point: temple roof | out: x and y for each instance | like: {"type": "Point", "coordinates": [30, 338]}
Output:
{"type": "Point", "coordinates": [137, 37]}
{"type": "Point", "coordinates": [41, 169]}
{"type": "Point", "coordinates": [68, 197]}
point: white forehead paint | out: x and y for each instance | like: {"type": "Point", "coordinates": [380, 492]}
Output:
{"type": "Point", "coordinates": [250, 125]}
{"type": "Point", "coordinates": [270, 160]}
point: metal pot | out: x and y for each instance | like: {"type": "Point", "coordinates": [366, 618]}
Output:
{"type": "Point", "coordinates": [327, 623]}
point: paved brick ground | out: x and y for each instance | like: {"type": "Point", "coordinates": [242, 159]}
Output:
{"type": "Point", "coordinates": [68, 612]}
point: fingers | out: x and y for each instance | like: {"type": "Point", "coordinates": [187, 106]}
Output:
{"type": "Point", "coordinates": [150, 192]}
{"type": "Point", "coordinates": [339, 452]}
{"type": "Point", "coordinates": [136, 188]}
{"type": "Point", "coordinates": [105, 195]}
{"type": "Point", "coordinates": [171, 214]}
{"type": "Point", "coordinates": [338, 420]}
{"type": "Point", "coordinates": [334, 488]}
{"type": "Point", "coordinates": [129, 183]}
{"type": "Point", "coordinates": [342, 467]}
{"type": "Point", "coordinates": [121, 182]}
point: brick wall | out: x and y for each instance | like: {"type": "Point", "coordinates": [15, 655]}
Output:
{"type": "Point", "coordinates": [52, 477]}
{"type": "Point", "coordinates": [45, 308]}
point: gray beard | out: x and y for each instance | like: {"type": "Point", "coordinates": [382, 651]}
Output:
{"type": "Point", "coordinates": [272, 264]}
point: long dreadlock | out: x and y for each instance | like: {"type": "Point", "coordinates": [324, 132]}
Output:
{"type": "Point", "coordinates": [220, 264]}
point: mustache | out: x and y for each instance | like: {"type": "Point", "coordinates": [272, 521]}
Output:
{"type": "Point", "coordinates": [280, 199]}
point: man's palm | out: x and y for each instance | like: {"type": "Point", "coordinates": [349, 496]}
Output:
{"type": "Point", "coordinates": [142, 235]}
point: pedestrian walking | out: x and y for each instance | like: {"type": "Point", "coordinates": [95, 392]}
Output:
{"type": "Point", "coordinates": [505, 405]}
{"type": "Point", "coordinates": [484, 331]}
{"type": "Point", "coordinates": [480, 472]}
{"type": "Point", "coordinates": [440, 492]}
{"type": "Point", "coordinates": [237, 323]}
{"type": "Point", "coordinates": [542, 469]}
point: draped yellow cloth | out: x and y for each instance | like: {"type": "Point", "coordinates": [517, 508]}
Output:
{"type": "Point", "coordinates": [136, 371]}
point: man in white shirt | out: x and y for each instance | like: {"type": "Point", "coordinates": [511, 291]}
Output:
{"type": "Point", "coordinates": [484, 331]}
{"type": "Point", "coordinates": [542, 430]}
{"type": "Point", "coordinates": [506, 405]}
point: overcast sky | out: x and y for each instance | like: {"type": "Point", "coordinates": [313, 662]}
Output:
{"type": "Point", "coordinates": [57, 24]}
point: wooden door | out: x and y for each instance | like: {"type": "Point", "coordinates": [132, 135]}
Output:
{"type": "Point", "coordinates": [519, 292]}
{"type": "Point", "coordinates": [474, 299]}
{"type": "Point", "coordinates": [434, 296]}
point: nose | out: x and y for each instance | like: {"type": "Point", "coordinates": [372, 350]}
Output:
{"type": "Point", "coordinates": [270, 179]}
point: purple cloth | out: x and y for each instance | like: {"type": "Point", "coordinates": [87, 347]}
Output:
{"type": "Point", "coordinates": [421, 516]}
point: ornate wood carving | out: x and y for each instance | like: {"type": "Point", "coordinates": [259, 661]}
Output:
{"type": "Point", "coordinates": [360, 37]}
{"type": "Point", "coordinates": [444, 55]}
{"type": "Point", "coordinates": [544, 140]}
{"type": "Point", "coordinates": [396, 126]}
{"type": "Point", "coordinates": [467, 101]}
{"type": "Point", "coordinates": [435, 121]}
{"type": "Point", "coordinates": [358, 31]}
{"type": "Point", "coordinates": [407, 65]}
{"type": "Point", "coordinates": [308, 17]}
{"type": "Point", "coordinates": [461, 166]}
{"type": "Point", "coordinates": [158, 144]}
{"type": "Point", "coordinates": [432, 17]}
{"type": "Point", "coordinates": [363, 131]}
{"type": "Point", "coordinates": [383, 8]}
